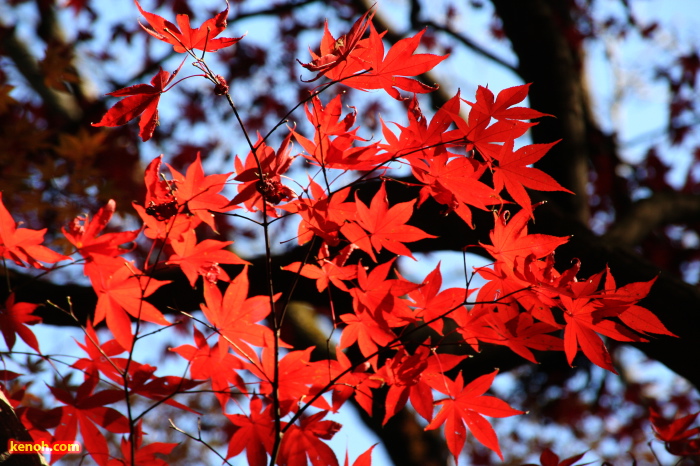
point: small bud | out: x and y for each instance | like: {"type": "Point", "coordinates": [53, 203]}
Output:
{"type": "Point", "coordinates": [221, 87]}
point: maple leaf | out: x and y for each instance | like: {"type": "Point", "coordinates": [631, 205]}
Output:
{"type": "Point", "coordinates": [506, 325]}
{"type": "Point", "coordinates": [383, 299]}
{"type": "Point", "coordinates": [23, 245]}
{"type": "Point", "coordinates": [349, 380]}
{"type": "Point", "coordinates": [199, 194]}
{"type": "Point", "coordinates": [676, 433]}
{"type": "Point", "coordinates": [584, 316]}
{"type": "Point", "coordinates": [622, 301]}
{"type": "Point", "coordinates": [335, 51]}
{"type": "Point", "coordinates": [363, 328]}
{"type": "Point", "coordinates": [420, 140]}
{"type": "Point", "coordinates": [100, 356]}
{"type": "Point", "coordinates": [207, 363]}
{"type": "Point", "coordinates": [510, 239]}
{"type": "Point", "coordinates": [433, 303]}
{"type": "Point", "coordinates": [454, 182]}
{"type": "Point", "coordinates": [83, 234]}
{"type": "Point", "coordinates": [467, 405]}
{"type": "Point", "coordinates": [333, 270]}
{"type": "Point", "coordinates": [14, 319]}
{"type": "Point", "coordinates": [255, 184]}
{"type": "Point", "coordinates": [85, 410]}
{"type": "Point", "coordinates": [412, 376]}
{"type": "Point", "coordinates": [296, 377]}
{"type": "Point", "coordinates": [548, 458]}
{"type": "Point", "coordinates": [476, 132]}
{"type": "Point", "coordinates": [145, 454]}
{"type": "Point", "coordinates": [203, 258]}
{"type": "Point", "coordinates": [143, 381]}
{"type": "Point", "coordinates": [185, 38]}
{"type": "Point", "coordinates": [139, 99]}
{"type": "Point", "coordinates": [502, 108]}
{"type": "Point", "coordinates": [254, 433]}
{"type": "Point", "coordinates": [338, 152]}
{"type": "Point", "coordinates": [385, 226]}
{"type": "Point", "coordinates": [162, 215]}
{"type": "Point", "coordinates": [365, 459]}
{"type": "Point", "coordinates": [514, 173]}
{"type": "Point", "coordinates": [389, 73]}
{"type": "Point", "coordinates": [122, 293]}
{"type": "Point", "coordinates": [304, 441]}
{"type": "Point", "coordinates": [321, 215]}
{"type": "Point", "coordinates": [235, 315]}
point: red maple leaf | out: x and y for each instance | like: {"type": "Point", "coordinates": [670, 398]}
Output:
{"type": "Point", "coordinates": [420, 140]}
{"type": "Point", "coordinates": [548, 458]}
{"type": "Point", "coordinates": [389, 73]}
{"type": "Point", "coordinates": [255, 184]}
{"type": "Point", "coordinates": [431, 303]}
{"type": "Point", "coordinates": [203, 258]}
{"type": "Point", "coordinates": [14, 318]}
{"type": "Point", "coordinates": [413, 376]}
{"type": "Point", "coordinates": [207, 363]}
{"type": "Point", "coordinates": [467, 405]}
{"type": "Point", "coordinates": [199, 194]}
{"type": "Point", "coordinates": [676, 433]}
{"type": "Point", "coordinates": [336, 51]}
{"type": "Point", "coordinates": [585, 318]}
{"type": "Point", "coordinates": [370, 334]}
{"type": "Point", "coordinates": [120, 295]}
{"type": "Point", "coordinates": [365, 459]}
{"type": "Point", "coordinates": [23, 244]}
{"type": "Point", "coordinates": [101, 356]}
{"type": "Point", "coordinates": [454, 182]}
{"type": "Point", "coordinates": [83, 233]}
{"type": "Point", "coordinates": [164, 217]}
{"type": "Point", "coordinates": [235, 315]}
{"type": "Point", "coordinates": [320, 214]}
{"type": "Point", "coordinates": [502, 108]}
{"type": "Point", "coordinates": [385, 227]}
{"type": "Point", "coordinates": [349, 380]}
{"type": "Point", "coordinates": [86, 410]}
{"type": "Point", "coordinates": [145, 454]}
{"type": "Point", "coordinates": [296, 377]}
{"type": "Point", "coordinates": [339, 151]}
{"type": "Point", "coordinates": [185, 38]}
{"type": "Point", "coordinates": [506, 325]}
{"type": "Point", "coordinates": [477, 131]}
{"type": "Point", "coordinates": [510, 239]}
{"type": "Point", "coordinates": [139, 99]}
{"type": "Point", "coordinates": [383, 299]}
{"type": "Point", "coordinates": [302, 443]}
{"type": "Point", "coordinates": [254, 433]}
{"type": "Point", "coordinates": [329, 270]}
{"type": "Point", "coordinates": [514, 173]}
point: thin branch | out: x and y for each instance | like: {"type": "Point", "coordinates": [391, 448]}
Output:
{"type": "Point", "coordinates": [647, 215]}
{"type": "Point", "coordinates": [469, 43]}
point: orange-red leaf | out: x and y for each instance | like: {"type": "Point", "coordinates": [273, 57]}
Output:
{"type": "Point", "coordinates": [185, 38]}
{"type": "Point", "coordinates": [139, 99]}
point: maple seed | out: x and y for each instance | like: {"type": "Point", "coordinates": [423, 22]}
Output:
{"type": "Point", "coordinates": [274, 191]}
{"type": "Point", "coordinates": [162, 211]}
{"type": "Point", "coordinates": [221, 87]}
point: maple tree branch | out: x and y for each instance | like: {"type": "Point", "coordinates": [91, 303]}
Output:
{"type": "Point", "coordinates": [273, 11]}
{"type": "Point", "coordinates": [62, 104]}
{"type": "Point", "coordinates": [469, 43]}
{"type": "Point", "coordinates": [647, 215]}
